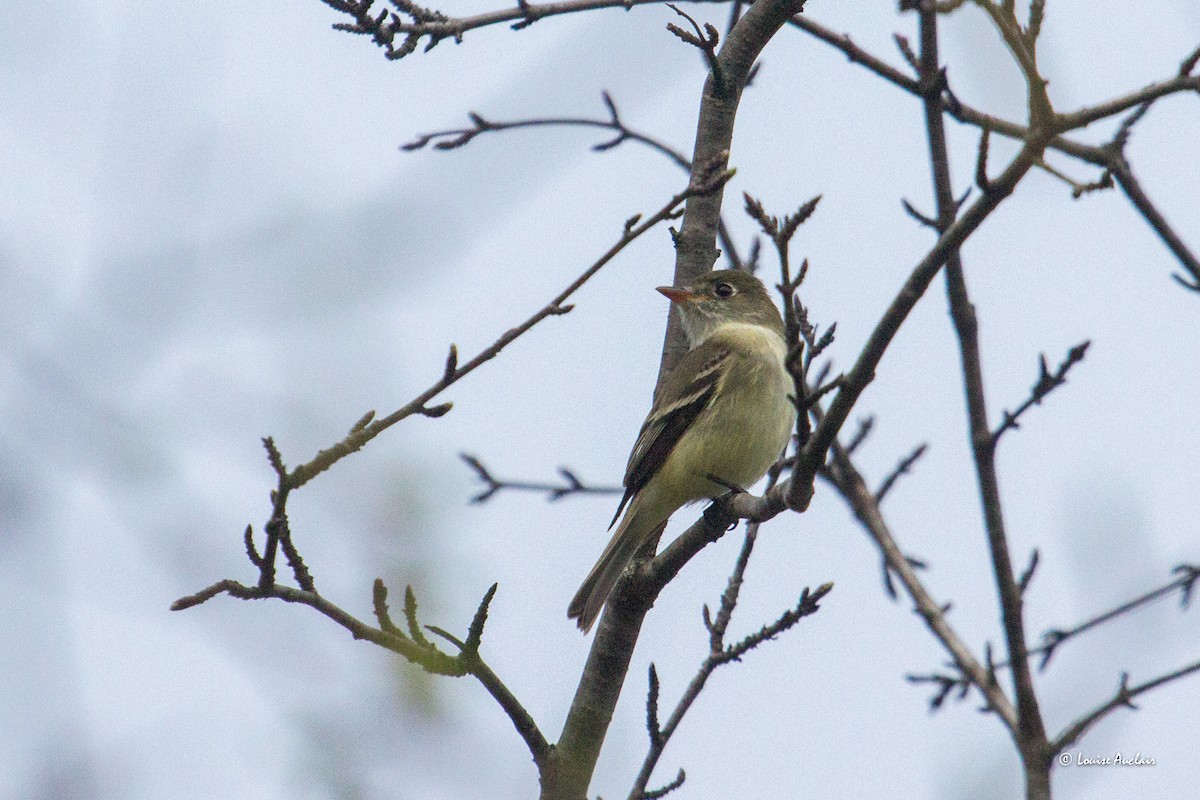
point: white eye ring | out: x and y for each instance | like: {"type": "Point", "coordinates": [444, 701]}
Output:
{"type": "Point", "coordinates": [724, 290]}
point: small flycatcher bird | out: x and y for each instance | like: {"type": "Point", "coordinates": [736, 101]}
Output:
{"type": "Point", "coordinates": [724, 411]}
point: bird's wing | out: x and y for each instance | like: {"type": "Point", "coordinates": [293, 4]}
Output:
{"type": "Point", "coordinates": [688, 391]}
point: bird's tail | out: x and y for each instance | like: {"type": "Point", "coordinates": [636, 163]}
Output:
{"type": "Point", "coordinates": [630, 535]}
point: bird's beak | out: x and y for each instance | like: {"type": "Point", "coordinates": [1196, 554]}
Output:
{"type": "Point", "coordinates": [678, 295]}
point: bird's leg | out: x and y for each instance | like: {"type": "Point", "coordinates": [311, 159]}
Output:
{"type": "Point", "coordinates": [731, 486]}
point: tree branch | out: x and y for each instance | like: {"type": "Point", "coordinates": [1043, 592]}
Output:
{"type": "Point", "coordinates": [1029, 734]}
{"type": "Point", "coordinates": [416, 22]}
{"type": "Point", "coordinates": [458, 137]}
{"type": "Point", "coordinates": [853, 489]}
{"type": "Point", "coordinates": [1075, 120]}
{"type": "Point", "coordinates": [1184, 584]}
{"type": "Point", "coordinates": [1100, 156]}
{"type": "Point", "coordinates": [616, 635]}
{"type": "Point", "coordinates": [416, 650]}
{"type": "Point", "coordinates": [902, 468]}
{"type": "Point", "coordinates": [554, 491]}
{"type": "Point", "coordinates": [1046, 383]}
{"type": "Point", "coordinates": [812, 457]}
{"type": "Point", "coordinates": [1124, 697]}
{"type": "Point", "coordinates": [719, 653]}
{"type": "Point", "coordinates": [361, 433]}
{"type": "Point", "coordinates": [1132, 188]}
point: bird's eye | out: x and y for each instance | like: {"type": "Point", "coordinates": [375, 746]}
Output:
{"type": "Point", "coordinates": [724, 290]}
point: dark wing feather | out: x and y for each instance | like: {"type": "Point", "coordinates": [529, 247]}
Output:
{"type": "Point", "coordinates": [679, 403]}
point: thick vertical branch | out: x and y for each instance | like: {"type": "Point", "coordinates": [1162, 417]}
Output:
{"type": "Point", "coordinates": [1030, 731]}
{"type": "Point", "coordinates": [569, 771]}
{"type": "Point", "coordinates": [696, 244]}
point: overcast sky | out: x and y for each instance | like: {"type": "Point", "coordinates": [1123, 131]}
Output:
{"type": "Point", "coordinates": [208, 234]}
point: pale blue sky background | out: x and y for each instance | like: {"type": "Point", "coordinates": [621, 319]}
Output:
{"type": "Point", "coordinates": [208, 234]}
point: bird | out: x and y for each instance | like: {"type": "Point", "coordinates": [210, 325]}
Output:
{"type": "Point", "coordinates": [720, 419]}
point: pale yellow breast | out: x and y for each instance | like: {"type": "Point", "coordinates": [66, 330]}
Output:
{"type": "Point", "coordinates": [742, 434]}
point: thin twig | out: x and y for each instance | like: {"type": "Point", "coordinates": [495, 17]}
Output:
{"type": "Point", "coordinates": [865, 425]}
{"type": "Point", "coordinates": [721, 653]}
{"type": "Point", "coordinates": [1054, 637]}
{"type": "Point", "coordinates": [716, 626]}
{"type": "Point", "coordinates": [1189, 576]}
{"type": "Point", "coordinates": [1075, 120]}
{"type": "Point", "coordinates": [705, 40]}
{"type": "Point", "coordinates": [1100, 156]}
{"type": "Point", "coordinates": [902, 468]}
{"type": "Point", "coordinates": [1132, 187]}
{"type": "Point", "coordinates": [1124, 696]}
{"type": "Point", "coordinates": [1046, 383]}
{"type": "Point", "coordinates": [554, 491]}
{"type": "Point", "coordinates": [457, 137]}
{"type": "Point", "coordinates": [422, 652]}
{"type": "Point", "coordinates": [556, 307]}
{"type": "Point", "coordinates": [414, 22]}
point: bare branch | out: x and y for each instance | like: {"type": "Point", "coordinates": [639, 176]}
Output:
{"type": "Point", "coordinates": [556, 307]}
{"type": "Point", "coordinates": [1037, 12]}
{"type": "Point", "coordinates": [1046, 383]}
{"type": "Point", "coordinates": [1101, 156]}
{"type": "Point", "coordinates": [806, 605]}
{"type": "Point", "coordinates": [1184, 584]}
{"type": "Point", "coordinates": [856, 54]}
{"type": "Point", "coordinates": [705, 41]}
{"type": "Point", "coordinates": [663, 791]}
{"type": "Point", "coordinates": [554, 491]}
{"type": "Point", "coordinates": [981, 178]}
{"type": "Point", "coordinates": [719, 653]}
{"type": "Point", "coordinates": [399, 34]}
{"type": "Point", "coordinates": [911, 210]}
{"type": "Point", "coordinates": [1189, 63]}
{"type": "Point", "coordinates": [458, 137]}
{"type": "Point", "coordinates": [653, 729]}
{"type": "Point", "coordinates": [1030, 571]}
{"type": "Point", "coordinates": [907, 53]}
{"type": "Point", "coordinates": [1053, 638]}
{"type": "Point", "coordinates": [1129, 184]}
{"type": "Point", "coordinates": [1124, 696]}
{"type": "Point", "coordinates": [864, 430]}
{"type": "Point", "coordinates": [1121, 137]}
{"type": "Point", "coordinates": [1030, 729]}
{"type": "Point", "coordinates": [1086, 116]}
{"type": "Point", "coordinates": [850, 485]}
{"type": "Point", "coordinates": [902, 468]}
{"type": "Point", "coordinates": [945, 686]}
{"type": "Point", "coordinates": [416, 649]}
